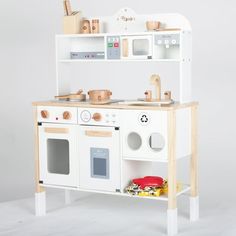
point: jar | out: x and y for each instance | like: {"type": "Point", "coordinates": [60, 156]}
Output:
{"type": "Point", "coordinates": [95, 26]}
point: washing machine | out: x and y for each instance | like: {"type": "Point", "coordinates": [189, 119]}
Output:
{"type": "Point", "coordinates": [144, 135]}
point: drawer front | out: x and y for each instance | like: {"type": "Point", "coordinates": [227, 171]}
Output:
{"type": "Point", "coordinates": [62, 115]}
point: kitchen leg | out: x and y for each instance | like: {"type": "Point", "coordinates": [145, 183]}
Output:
{"type": "Point", "coordinates": [40, 203]}
{"type": "Point", "coordinates": [194, 208]}
{"type": "Point", "coordinates": [172, 224]}
{"type": "Point", "coordinates": [40, 194]}
{"type": "Point", "coordinates": [194, 198]}
{"type": "Point", "coordinates": [67, 197]}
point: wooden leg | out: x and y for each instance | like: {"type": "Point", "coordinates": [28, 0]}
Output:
{"type": "Point", "coordinates": [172, 226]}
{"type": "Point", "coordinates": [40, 195]}
{"type": "Point", "coordinates": [194, 199]}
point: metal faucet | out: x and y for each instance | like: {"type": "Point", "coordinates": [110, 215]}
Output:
{"type": "Point", "coordinates": [156, 80]}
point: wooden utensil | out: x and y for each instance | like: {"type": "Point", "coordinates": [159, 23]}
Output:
{"type": "Point", "coordinates": [65, 8]}
{"type": "Point", "coordinates": [68, 7]}
{"type": "Point", "coordinates": [74, 96]}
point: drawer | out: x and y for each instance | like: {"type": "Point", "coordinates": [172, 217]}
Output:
{"type": "Point", "coordinates": [64, 115]}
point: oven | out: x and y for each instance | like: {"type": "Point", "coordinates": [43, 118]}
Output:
{"type": "Point", "coordinates": [58, 154]}
{"type": "Point", "coordinates": [99, 167]}
{"type": "Point", "coordinates": [136, 47]}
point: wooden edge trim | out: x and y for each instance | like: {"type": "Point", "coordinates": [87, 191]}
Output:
{"type": "Point", "coordinates": [53, 130]}
{"type": "Point", "coordinates": [194, 160]}
{"type": "Point", "coordinates": [172, 182]}
{"type": "Point", "coordinates": [92, 133]}
{"type": "Point", "coordinates": [38, 188]}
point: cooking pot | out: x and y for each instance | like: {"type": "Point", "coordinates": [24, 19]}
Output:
{"type": "Point", "coordinates": [99, 96]}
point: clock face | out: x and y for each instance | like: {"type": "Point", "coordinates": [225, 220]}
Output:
{"type": "Point", "coordinates": [124, 18]}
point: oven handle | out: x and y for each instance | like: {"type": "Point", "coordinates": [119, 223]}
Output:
{"type": "Point", "coordinates": [92, 133]}
{"type": "Point", "coordinates": [52, 130]}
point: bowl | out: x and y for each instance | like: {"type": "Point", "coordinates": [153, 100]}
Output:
{"type": "Point", "coordinates": [153, 25]}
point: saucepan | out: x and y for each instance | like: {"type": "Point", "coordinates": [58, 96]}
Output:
{"type": "Point", "coordinates": [101, 96]}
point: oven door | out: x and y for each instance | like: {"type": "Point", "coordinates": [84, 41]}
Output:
{"type": "Point", "coordinates": [58, 154]}
{"type": "Point", "coordinates": [136, 47]}
{"type": "Point", "coordinates": [99, 158]}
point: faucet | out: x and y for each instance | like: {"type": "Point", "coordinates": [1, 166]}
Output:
{"type": "Point", "coordinates": [156, 81]}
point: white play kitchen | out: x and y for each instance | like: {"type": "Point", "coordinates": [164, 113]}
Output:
{"type": "Point", "coordinates": [95, 138]}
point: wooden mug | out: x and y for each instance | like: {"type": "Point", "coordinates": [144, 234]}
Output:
{"type": "Point", "coordinates": [85, 29]}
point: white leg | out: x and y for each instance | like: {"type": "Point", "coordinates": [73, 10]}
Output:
{"type": "Point", "coordinates": [172, 224]}
{"type": "Point", "coordinates": [194, 208]}
{"type": "Point", "coordinates": [40, 203]}
{"type": "Point", "coordinates": [67, 197]}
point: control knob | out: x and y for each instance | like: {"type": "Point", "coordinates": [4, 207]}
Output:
{"type": "Point", "coordinates": [97, 116]}
{"type": "Point", "coordinates": [66, 115]}
{"type": "Point", "coordinates": [44, 114]}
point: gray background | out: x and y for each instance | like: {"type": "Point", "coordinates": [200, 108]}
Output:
{"type": "Point", "coordinates": [27, 73]}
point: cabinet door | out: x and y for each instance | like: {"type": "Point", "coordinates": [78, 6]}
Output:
{"type": "Point", "coordinates": [58, 154]}
{"type": "Point", "coordinates": [99, 158]}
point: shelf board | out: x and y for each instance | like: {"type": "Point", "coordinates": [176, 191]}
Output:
{"type": "Point", "coordinates": [119, 34]}
{"type": "Point", "coordinates": [153, 160]}
{"type": "Point", "coordinates": [185, 189]}
{"type": "Point", "coordinates": [120, 60]}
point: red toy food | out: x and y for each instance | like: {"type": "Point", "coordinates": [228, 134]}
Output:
{"type": "Point", "coordinates": [149, 181]}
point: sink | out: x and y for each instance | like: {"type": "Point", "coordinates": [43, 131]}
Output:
{"type": "Point", "coordinates": [142, 102]}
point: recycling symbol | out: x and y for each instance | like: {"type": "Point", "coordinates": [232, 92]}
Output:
{"type": "Point", "coordinates": [144, 119]}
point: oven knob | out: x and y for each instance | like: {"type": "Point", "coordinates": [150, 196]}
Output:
{"type": "Point", "coordinates": [97, 116]}
{"type": "Point", "coordinates": [66, 115]}
{"type": "Point", "coordinates": [44, 114]}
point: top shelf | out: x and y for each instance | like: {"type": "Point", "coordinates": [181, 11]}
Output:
{"type": "Point", "coordinates": [144, 46]}
{"type": "Point", "coordinates": [120, 34]}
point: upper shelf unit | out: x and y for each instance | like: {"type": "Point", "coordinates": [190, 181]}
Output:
{"type": "Point", "coordinates": [145, 46]}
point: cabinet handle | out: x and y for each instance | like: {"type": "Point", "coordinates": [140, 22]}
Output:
{"type": "Point", "coordinates": [52, 130]}
{"type": "Point", "coordinates": [125, 48]}
{"type": "Point", "coordinates": [92, 133]}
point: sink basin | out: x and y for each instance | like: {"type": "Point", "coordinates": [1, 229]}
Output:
{"type": "Point", "coordinates": [141, 102]}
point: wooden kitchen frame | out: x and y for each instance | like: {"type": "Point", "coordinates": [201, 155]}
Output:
{"type": "Point", "coordinates": [185, 104]}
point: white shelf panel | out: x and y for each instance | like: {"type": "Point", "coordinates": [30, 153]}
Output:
{"type": "Point", "coordinates": [152, 160]}
{"type": "Point", "coordinates": [106, 60]}
{"type": "Point", "coordinates": [118, 34]}
{"type": "Point", "coordinates": [185, 189]}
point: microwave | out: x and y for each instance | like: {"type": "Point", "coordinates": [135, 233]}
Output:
{"type": "Point", "coordinates": [136, 47]}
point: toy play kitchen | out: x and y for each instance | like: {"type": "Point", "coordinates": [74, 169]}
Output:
{"type": "Point", "coordinates": [91, 138]}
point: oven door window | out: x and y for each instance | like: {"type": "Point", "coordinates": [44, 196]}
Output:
{"type": "Point", "coordinates": [58, 156]}
{"type": "Point", "coordinates": [99, 159]}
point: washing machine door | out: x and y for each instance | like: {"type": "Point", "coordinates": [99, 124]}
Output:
{"type": "Point", "coordinates": [144, 135]}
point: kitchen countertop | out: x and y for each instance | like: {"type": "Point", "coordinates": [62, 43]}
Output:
{"type": "Point", "coordinates": [173, 106]}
